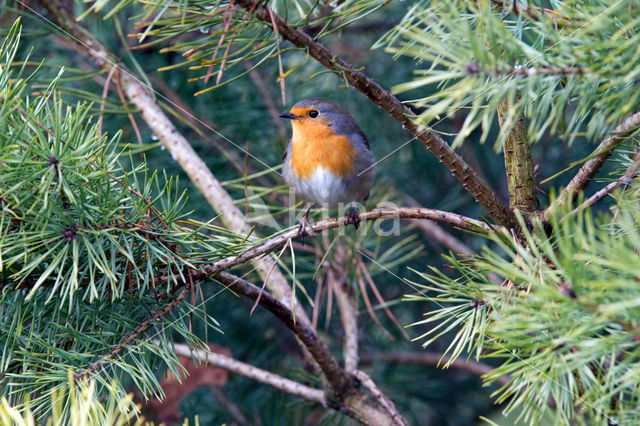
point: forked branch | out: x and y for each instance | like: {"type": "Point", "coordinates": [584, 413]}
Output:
{"type": "Point", "coordinates": [381, 97]}
{"type": "Point", "coordinates": [344, 392]}
{"type": "Point", "coordinates": [589, 169]}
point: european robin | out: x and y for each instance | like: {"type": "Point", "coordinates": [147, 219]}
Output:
{"type": "Point", "coordinates": [328, 161]}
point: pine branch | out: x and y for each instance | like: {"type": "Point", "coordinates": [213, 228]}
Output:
{"type": "Point", "coordinates": [367, 382]}
{"type": "Point", "coordinates": [257, 374]}
{"type": "Point", "coordinates": [345, 393]}
{"type": "Point", "coordinates": [175, 142]}
{"type": "Point", "coordinates": [625, 179]}
{"type": "Point", "coordinates": [474, 68]}
{"type": "Point", "coordinates": [468, 177]}
{"type": "Point", "coordinates": [316, 347]}
{"type": "Point", "coordinates": [133, 336]}
{"type": "Point", "coordinates": [271, 244]}
{"type": "Point", "coordinates": [518, 162]}
{"type": "Point", "coordinates": [589, 169]}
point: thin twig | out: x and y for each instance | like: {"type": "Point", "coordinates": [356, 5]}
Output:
{"type": "Point", "coordinates": [367, 301]}
{"type": "Point", "coordinates": [468, 177]}
{"type": "Point", "coordinates": [381, 213]}
{"type": "Point", "coordinates": [381, 301]}
{"type": "Point", "coordinates": [132, 119]}
{"type": "Point", "coordinates": [131, 337]}
{"type": "Point", "coordinates": [105, 91]}
{"type": "Point", "coordinates": [589, 169]}
{"type": "Point", "coordinates": [625, 179]}
{"type": "Point", "coordinates": [283, 91]}
{"type": "Point", "coordinates": [257, 374]}
{"type": "Point", "coordinates": [435, 232]}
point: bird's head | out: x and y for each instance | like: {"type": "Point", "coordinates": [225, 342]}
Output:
{"type": "Point", "coordinates": [317, 116]}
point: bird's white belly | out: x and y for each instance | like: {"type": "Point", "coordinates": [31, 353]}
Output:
{"type": "Point", "coordinates": [322, 187]}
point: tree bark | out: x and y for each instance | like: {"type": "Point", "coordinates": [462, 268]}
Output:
{"type": "Point", "coordinates": [518, 163]}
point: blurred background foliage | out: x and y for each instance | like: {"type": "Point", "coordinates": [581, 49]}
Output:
{"type": "Point", "coordinates": [242, 111]}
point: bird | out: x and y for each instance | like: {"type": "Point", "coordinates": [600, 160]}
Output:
{"type": "Point", "coordinates": [328, 161]}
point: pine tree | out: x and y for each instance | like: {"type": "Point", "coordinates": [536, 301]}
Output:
{"type": "Point", "coordinates": [140, 223]}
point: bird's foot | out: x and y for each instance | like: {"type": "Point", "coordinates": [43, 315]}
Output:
{"type": "Point", "coordinates": [305, 227]}
{"type": "Point", "coordinates": [353, 217]}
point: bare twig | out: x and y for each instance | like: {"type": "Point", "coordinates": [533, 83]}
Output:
{"type": "Point", "coordinates": [625, 179]}
{"type": "Point", "coordinates": [435, 232]}
{"type": "Point", "coordinates": [589, 169]}
{"type": "Point", "coordinates": [433, 359]}
{"type": "Point", "coordinates": [382, 213]}
{"type": "Point", "coordinates": [469, 179]}
{"type": "Point", "coordinates": [304, 332]}
{"type": "Point", "coordinates": [381, 301]}
{"type": "Point", "coordinates": [518, 162]}
{"type": "Point", "coordinates": [257, 374]}
{"type": "Point", "coordinates": [105, 91]}
{"type": "Point", "coordinates": [231, 407]}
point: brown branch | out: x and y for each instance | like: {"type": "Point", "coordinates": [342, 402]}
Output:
{"type": "Point", "coordinates": [381, 213]}
{"type": "Point", "coordinates": [468, 177]}
{"type": "Point", "coordinates": [257, 374]}
{"type": "Point", "coordinates": [629, 175]}
{"type": "Point", "coordinates": [518, 162]}
{"type": "Point", "coordinates": [432, 359]}
{"type": "Point", "coordinates": [589, 169]}
{"type": "Point", "coordinates": [330, 367]}
{"type": "Point", "coordinates": [344, 392]}
{"type": "Point", "coordinates": [129, 338]}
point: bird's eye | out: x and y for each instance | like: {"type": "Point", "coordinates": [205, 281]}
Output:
{"type": "Point", "coordinates": [313, 113]}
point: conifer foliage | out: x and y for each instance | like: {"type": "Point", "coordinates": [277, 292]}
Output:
{"type": "Point", "coordinates": [111, 267]}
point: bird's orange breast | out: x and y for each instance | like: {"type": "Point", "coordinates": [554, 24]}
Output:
{"type": "Point", "coordinates": [315, 145]}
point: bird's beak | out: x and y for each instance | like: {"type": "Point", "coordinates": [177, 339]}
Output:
{"type": "Point", "coordinates": [288, 115]}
